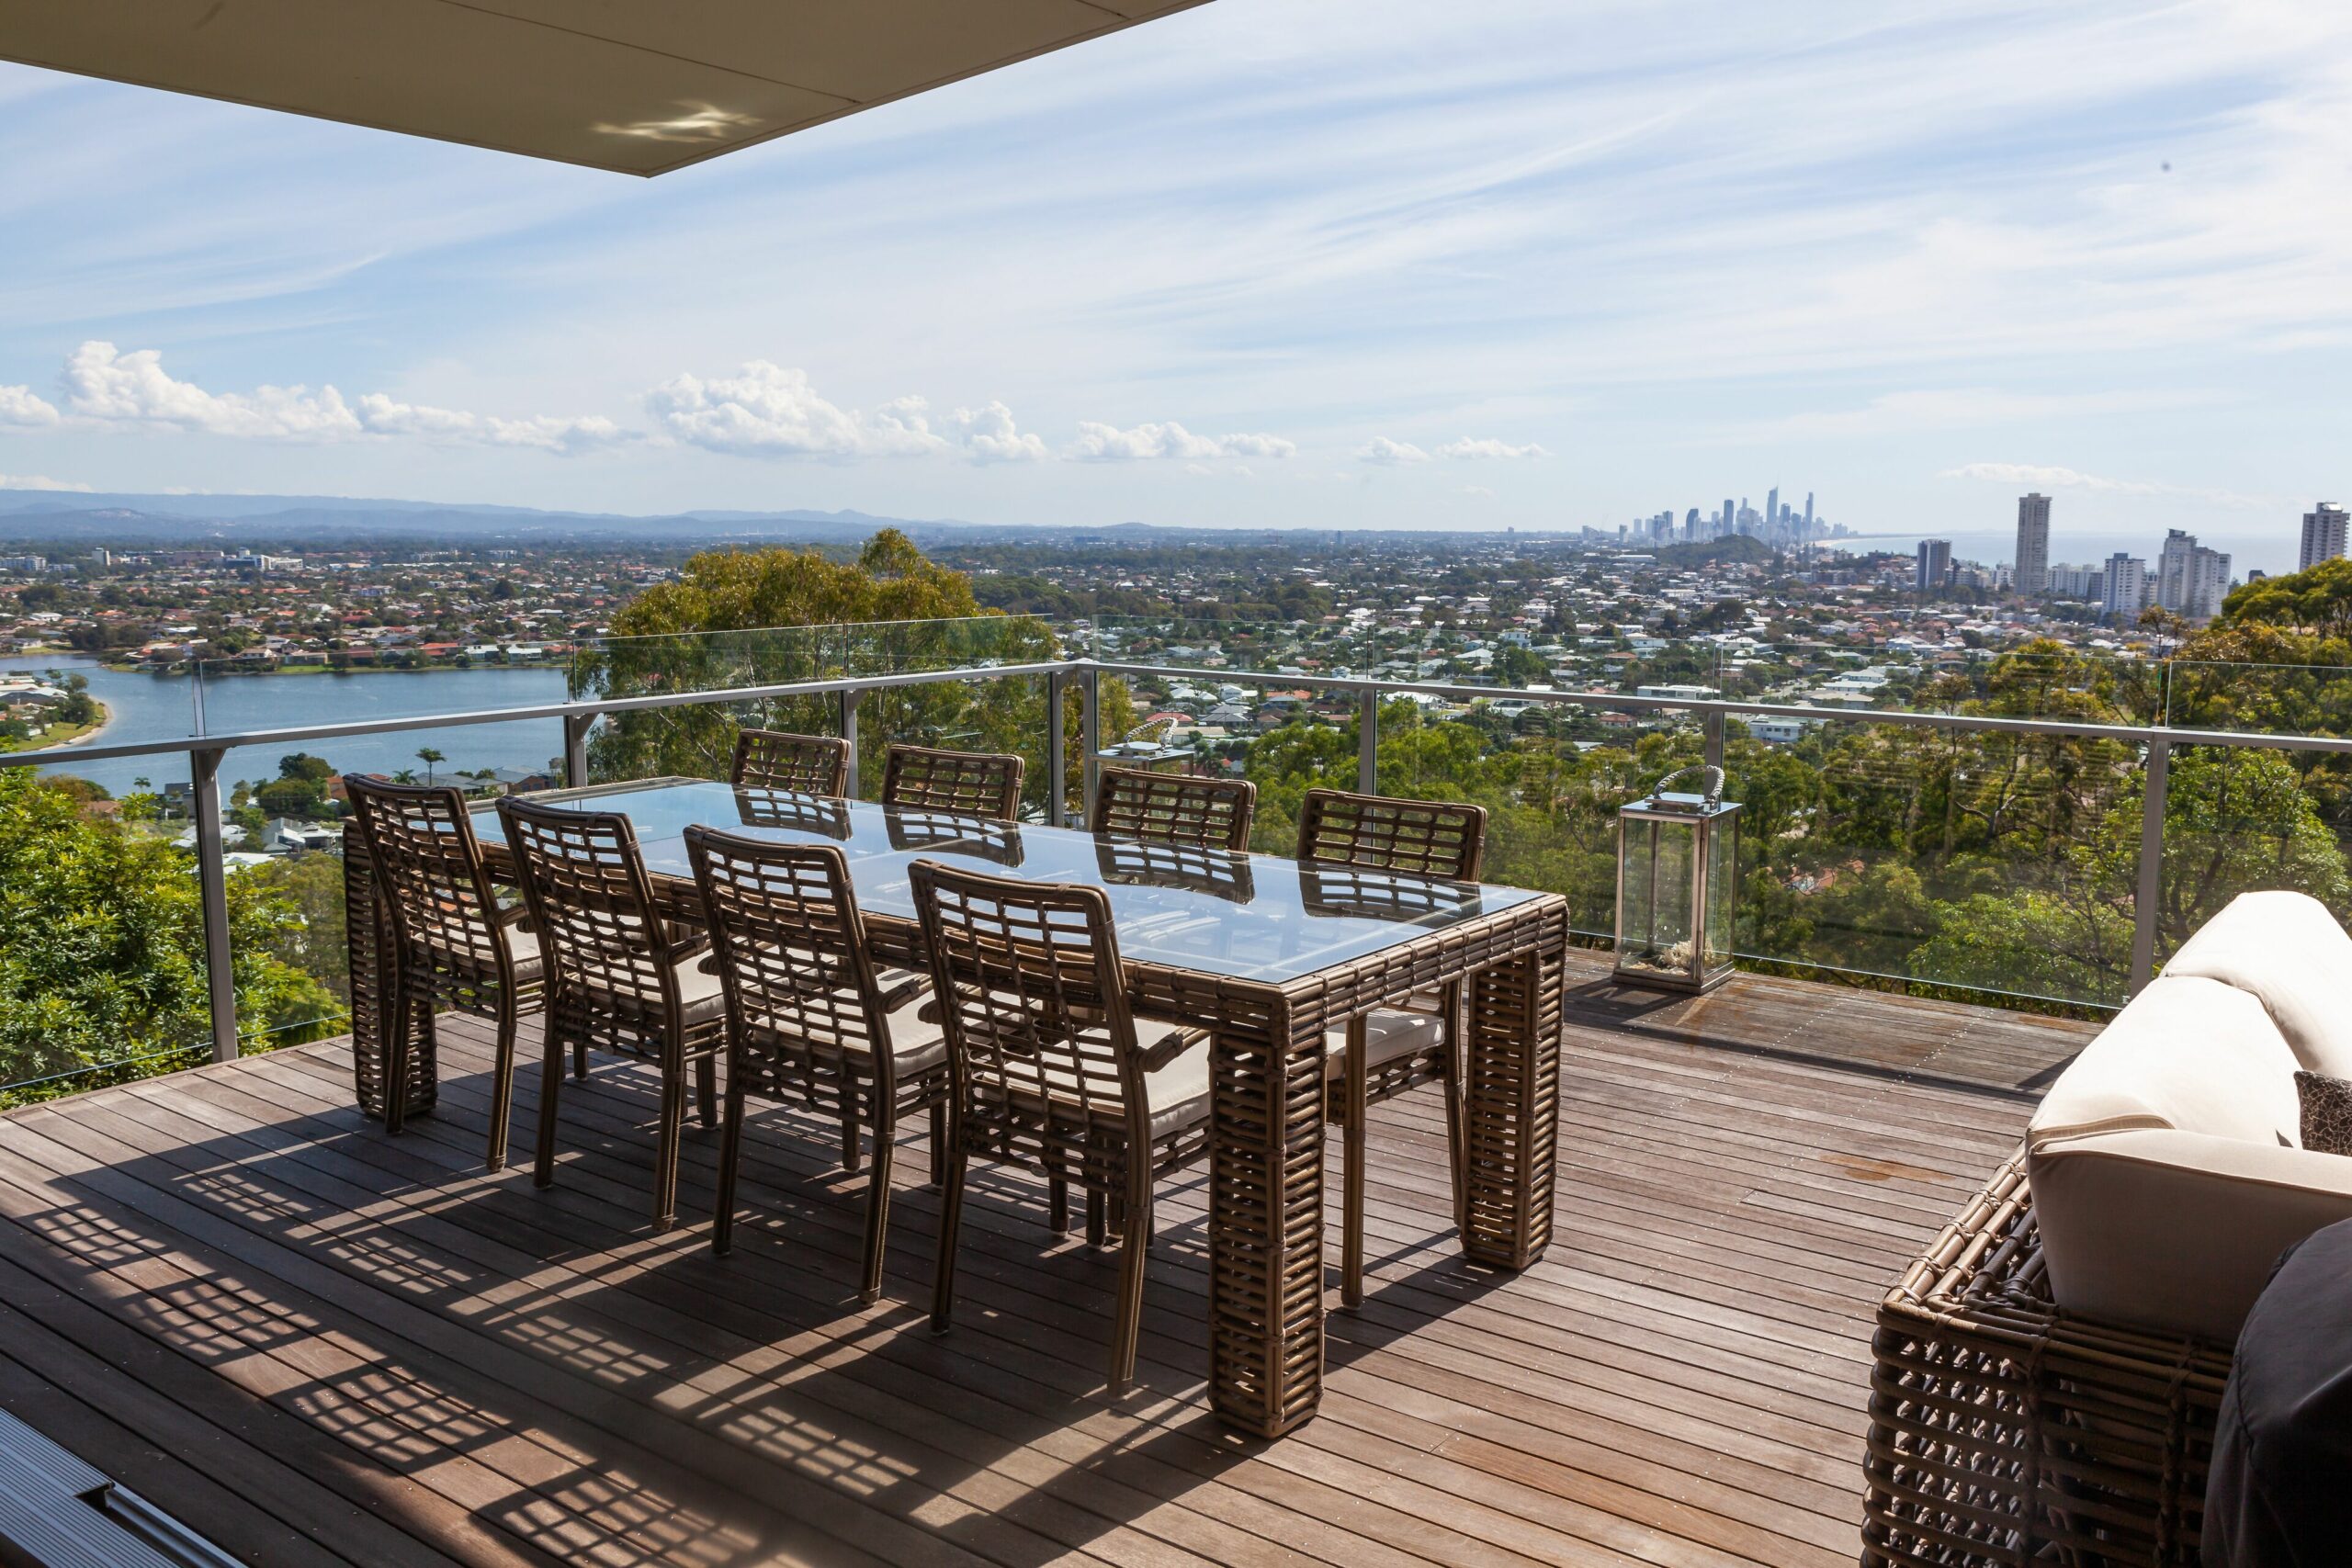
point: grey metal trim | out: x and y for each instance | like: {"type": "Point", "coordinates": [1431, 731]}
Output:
{"type": "Point", "coordinates": [1090, 731]}
{"type": "Point", "coordinates": [849, 733]}
{"type": "Point", "coordinates": [1057, 754]}
{"type": "Point", "coordinates": [212, 885]}
{"type": "Point", "coordinates": [576, 750]}
{"type": "Point", "coordinates": [2147, 899]}
{"type": "Point", "coordinates": [1368, 740]}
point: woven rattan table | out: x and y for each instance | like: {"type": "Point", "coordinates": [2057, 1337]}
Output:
{"type": "Point", "coordinates": [1266, 953]}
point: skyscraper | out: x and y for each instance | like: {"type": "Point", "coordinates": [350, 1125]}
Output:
{"type": "Point", "coordinates": [2323, 534]}
{"type": "Point", "coordinates": [1773, 509]}
{"type": "Point", "coordinates": [1808, 513]}
{"type": "Point", "coordinates": [2125, 591]}
{"type": "Point", "coordinates": [2033, 546]}
{"type": "Point", "coordinates": [1935, 565]}
{"type": "Point", "coordinates": [2190, 580]}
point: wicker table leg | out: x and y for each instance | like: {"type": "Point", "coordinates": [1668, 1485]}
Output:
{"type": "Point", "coordinates": [369, 935]}
{"type": "Point", "coordinates": [1511, 1110]}
{"type": "Point", "coordinates": [1266, 1220]}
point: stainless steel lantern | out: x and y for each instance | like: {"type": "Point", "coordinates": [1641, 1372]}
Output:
{"type": "Point", "coordinates": [1678, 872]}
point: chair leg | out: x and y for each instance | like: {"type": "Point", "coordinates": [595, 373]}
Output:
{"type": "Point", "coordinates": [1352, 1181]}
{"type": "Point", "coordinates": [665, 1155]}
{"type": "Point", "coordinates": [580, 1059]}
{"type": "Point", "coordinates": [950, 1220]}
{"type": "Point", "coordinates": [502, 1083]}
{"type": "Point", "coordinates": [1095, 1227]}
{"type": "Point", "coordinates": [1135, 1249]}
{"type": "Point", "coordinates": [550, 1079]}
{"type": "Point", "coordinates": [850, 1138]}
{"type": "Point", "coordinates": [877, 1215]}
{"type": "Point", "coordinates": [707, 1088]}
{"type": "Point", "coordinates": [1058, 1204]}
{"type": "Point", "coordinates": [730, 1159]}
{"type": "Point", "coordinates": [939, 1121]}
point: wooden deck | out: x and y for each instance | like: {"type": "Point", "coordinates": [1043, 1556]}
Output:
{"type": "Point", "coordinates": [318, 1345]}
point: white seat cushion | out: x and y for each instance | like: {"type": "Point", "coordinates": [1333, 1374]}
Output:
{"type": "Point", "coordinates": [1388, 1033]}
{"type": "Point", "coordinates": [2286, 949]}
{"type": "Point", "coordinates": [700, 997]}
{"type": "Point", "coordinates": [2189, 1055]}
{"type": "Point", "coordinates": [522, 946]}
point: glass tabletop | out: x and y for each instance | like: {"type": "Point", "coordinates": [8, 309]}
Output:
{"type": "Point", "coordinates": [1249, 916]}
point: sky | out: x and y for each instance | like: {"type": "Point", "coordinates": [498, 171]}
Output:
{"type": "Point", "coordinates": [1343, 263]}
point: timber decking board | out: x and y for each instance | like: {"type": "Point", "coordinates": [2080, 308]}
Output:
{"type": "Point", "coordinates": [320, 1345]}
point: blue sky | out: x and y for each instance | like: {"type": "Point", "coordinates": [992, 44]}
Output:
{"type": "Point", "coordinates": [1270, 261]}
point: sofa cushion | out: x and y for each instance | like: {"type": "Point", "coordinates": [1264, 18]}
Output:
{"type": "Point", "coordinates": [2189, 1055]}
{"type": "Point", "coordinates": [2287, 950]}
{"type": "Point", "coordinates": [2175, 1232]}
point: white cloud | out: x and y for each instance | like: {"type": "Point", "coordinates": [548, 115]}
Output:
{"type": "Point", "coordinates": [1488, 448]}
{"type": "Point", "coordinates": [1480, 491]}
{"type": "Point", "coordinates": [770, 411]}
{"type": "Point", "coordinates": [104, 383]}
{"type": "Point", "coordinates": [1098, 443]}
{"type": "Point", "coordinates": [20, 408]}
{"type": "Point", "coordinates": [106, 386]}
{"type": "Point", "coordinates": [37, 482]}
{"type": "Point", "coordinates": [2041, 476]}
{"type": "Point", "coordinates": [547, 433]}
{"type": "Point", "coordinates": [1380, 449]}
{"type": "Point", "coordinates": [991, 437]}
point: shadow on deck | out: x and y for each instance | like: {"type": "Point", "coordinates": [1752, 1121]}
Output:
{"type": "Point", "coordinates": [318, 1345]}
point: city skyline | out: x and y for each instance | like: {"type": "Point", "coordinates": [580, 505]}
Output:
{"type": "Point", "coordinates": [1249, 268]}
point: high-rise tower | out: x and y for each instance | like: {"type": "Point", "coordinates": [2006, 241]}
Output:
{"type": "Point", "coordinates": [2323, 534]}
{"type": "Point", "coordinates": [2033, 546]}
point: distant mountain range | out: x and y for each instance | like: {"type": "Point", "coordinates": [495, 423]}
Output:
{"type": "Point", "coordinates": [81, 517]}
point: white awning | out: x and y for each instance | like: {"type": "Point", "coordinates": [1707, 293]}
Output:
{"type": "Point", "coordinates": [636, 86]}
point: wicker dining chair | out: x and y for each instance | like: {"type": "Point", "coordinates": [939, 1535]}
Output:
{"type": "Point", "coordinates": [1388, 1051]}
{"type": "Point", "coordinates": [982, 784]}
{"type": "Point", "coordinates": [1045, 1068]}
{"type": "Point", "coordinates": [457, 948]}
{"type": "Point", "coordinates": [1138, 805]}
{"type": "Point", "coordinates": [615, 980]}
{"type": "Point", "coordinates": [811, 1019]}
{"type": "Point", "coordinates": [804, 764]}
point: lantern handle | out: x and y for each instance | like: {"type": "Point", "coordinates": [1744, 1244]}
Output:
{"type": "Point", "coordinates": [1715, 791]}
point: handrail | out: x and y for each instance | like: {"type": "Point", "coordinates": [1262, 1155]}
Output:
{"type": "Point", "coordinates": [206, 751]}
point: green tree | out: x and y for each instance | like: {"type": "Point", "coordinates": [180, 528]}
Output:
{"type": "Point", "coordinates": [102, 943]}
{"type": "Point", "coordinates": [429, 756]}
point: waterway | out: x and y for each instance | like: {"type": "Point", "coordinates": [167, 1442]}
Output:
{"type": "Point", "coordinates": [143, 706]}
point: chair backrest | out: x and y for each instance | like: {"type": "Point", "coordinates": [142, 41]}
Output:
{"type": "Point", "coordinates": [429, 868]}
{"type": "Point", "coordinates": [1173, 808]}
{"type": "Point", "coordinates": [984, 784]}
{"type": "Point", "coordinates": [1418, 838]}
{"type": "Point", "coordinates": [791, 954]}
{"type": "Point", "coordinates": [593, 906]}
{"type": "Point", "coordinates": [806, 764]}
{"type": "Point", "coordinates": [1032, 997]}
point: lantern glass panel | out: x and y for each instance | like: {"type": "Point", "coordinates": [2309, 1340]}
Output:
{"type": "Point", "coordinates": [1722, 888]}
{"type": "Point", "coordinates": [1655, 877]}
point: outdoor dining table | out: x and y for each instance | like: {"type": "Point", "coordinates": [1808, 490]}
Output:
{"type": "Point", "coordinates": [1266, 953]}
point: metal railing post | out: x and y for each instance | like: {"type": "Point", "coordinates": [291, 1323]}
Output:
{"type": "Point", "coordinates": [576, 750]}
{"type": "Point", "coordinates": [212, 885]}
{"type": "Point", "coordinates": [1057, 763]}
{"type": "Point", "coordinates": [849, 733]}
{"type": "Point", "coordinates": [2148, 897]}
{"type": "Point", "coordinates": [1089, 729]}
{"type": "Point", "coordinates": [1714, 729]}
{"type": "Point", "coordinates": [1368, 740]}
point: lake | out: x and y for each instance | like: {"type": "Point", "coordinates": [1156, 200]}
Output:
{"type": "Point", "coordinates": [163, 708]}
